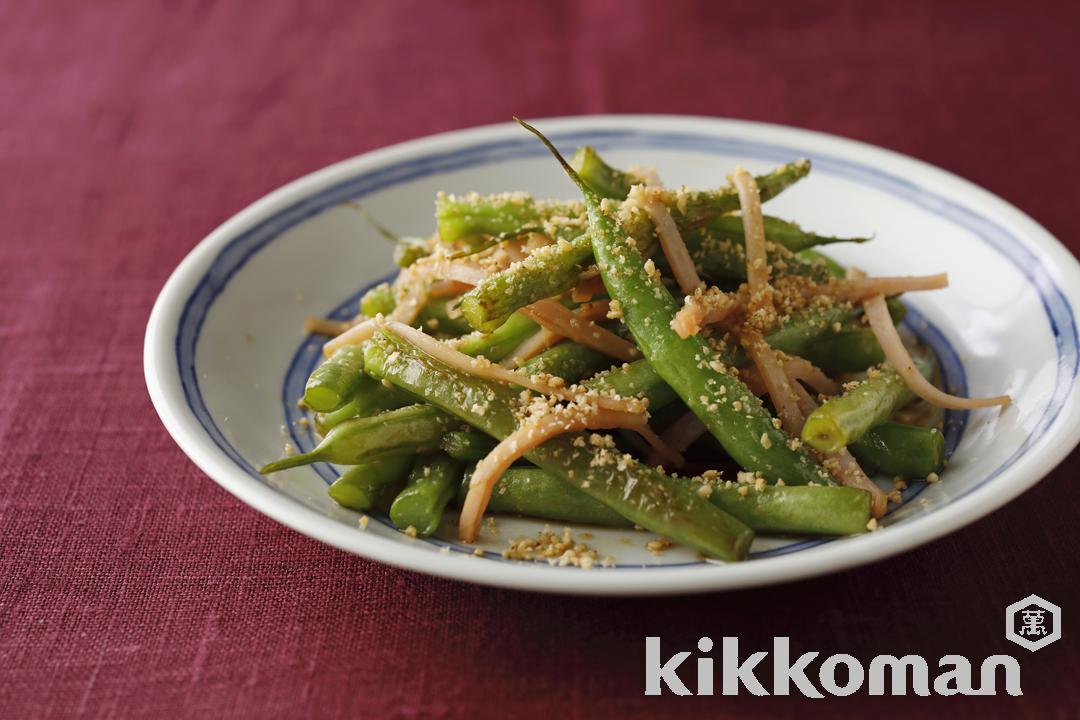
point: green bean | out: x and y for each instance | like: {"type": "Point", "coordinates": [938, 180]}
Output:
{"type": "Point", "coordinates": [793, 336]}
{"type": "Point", "coordinates": [851, 349]}
{"type": "Point", "coordinates": [437, 318]}
{"type": "Point", "coordinates": [636, 379]}
{"type": "Point", "coordinates": [459, 218]}
{"type": "Point", "coordinates": [567, 360]}
{"type": "Point", "coordinates": [819, 258]}
{"type": "Point", "coordinates": [336, 381]}
{"type": "Point", "coordinates": [379, 299]}
{"type": "Point", "coordinates": [801, 510]}
{"type": "Point", "coordinates": [640, 494]}
{"type": "Point", "coordinates": [431, 484]}
{"type": "Point", "coordinates": [409, 250]}
{"type": "Point", "coordinates": [796, 510]}
{"type": "Point", "coordinates": [724, 404]}
{"type": "Point", "coordinates": [370, 398]}
{"type": "Point", "coordinates": [467, 445]}
{"type": "Point", "coordinates": [897, 449]}
{"type": "Point", "coordinates": [547, 271]}
{"type": "Point", "coordinates": [537, 493]}
{"type": "Point", "coordinates": [416, 428]}
{"type": "Point", "coordinates": [499, 343]}
{"type": "Point", "coordinates": [782, 232]}
{"type": "Point", "coordinates": [362, 487]}
{"type": "Point", "coordinates": [844, 419]}
{"type": "Point", "coordinates": [605, 180]}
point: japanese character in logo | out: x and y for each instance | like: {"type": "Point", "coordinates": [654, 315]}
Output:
{"type": "Point", "coordinates": [1033, 622]}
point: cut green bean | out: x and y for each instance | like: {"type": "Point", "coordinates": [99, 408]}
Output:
{"type": "Point", "coordinates": [335, 381]}
{"type": "Point", "coordinates": [466, 445]}
{"type": "Point", "coordinates": [366, 486]}
{"type": "Point", "coordinates": [723, 259]}
{"type": "Point", "coordinates": [458, 218]}
{"type": "Point", "coordinates": [640, 494]}
{"type": "Point", "coordinates": [734, 415]}
{"type": "Point", "coordinates": [893, 448]}
{"type": "Point", "coordinates": [431, 484]}
{"type": "Point", "coordinates": [547, 271]}
{"type": "Point", "coordinates": [844, 419]}
{"type": "Point", "coordinates": [851, 349]}
{"type": "Point", "coordinates": [782, 232]}
{"type": "Point", "coordinates": [533, 492]}
{"type": "Point", "coordinates": [802, 510]}
{"type": "Point", "coordinates": [502, 341]}
{"type": "Point", "coordinates": [567, 360]}
{"type": "Point", "coordinates": [379, 299]}
{"type": "Point", "coordinates": [789, 510]}
{"type": "Point", "coordinates": [371, 397]}
{"type": "Point", "coordinates": [834, 268]}
{"type": "Point", "coordinates": [416, 428]}
{"type": "Point", "coordinates": [438, 318]}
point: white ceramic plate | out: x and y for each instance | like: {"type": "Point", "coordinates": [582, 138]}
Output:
{"type": "Point", "coordinates": [225, 357]}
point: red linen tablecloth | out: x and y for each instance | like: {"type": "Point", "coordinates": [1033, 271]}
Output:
{"type": "Point", "coordinates": [131, 585]}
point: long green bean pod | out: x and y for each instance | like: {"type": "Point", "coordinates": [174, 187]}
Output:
{"type": "Point", "coordinates": [607, 181]}
{"type": "Point", "coordinates": [437, 319]}
{"type": "Point", "coordinates": [368, 485]}
{"type": "Point", "coordinates": [537, 493]}
{"type": "Point", "coordinates": [336, 381]}
{"type": "Point", "coordinates": [416, 428]}
{"type": "Point", "coordinates": [849, 350]}
{"type": "Point", "coordinates": [378, 300]}
{"type": "Point", "coordinates": [502, 341]}
{"type": "Point", "coordinates": [796, 510]}
{"type": "Point", "coordinates": [640, 494]}
{"type": "Point", "coordinates": [785, 509]}
{"type": "Point", "coordinates": [893, 448]}
{"type": "Point", "coordinates": [371, 397]}
{"type": "Point", "coordinates": [431, 484]}
{"type": "Point", "coordinates": [467, 445]}
{"type": "Point", "coordinates": [844, 419]}
{"type": "Point", "coordinates": [567, 360]}
{"type": "Point", "coordinates": [721, 401]}
{"type": "Point", "coordinates": [782, 232]}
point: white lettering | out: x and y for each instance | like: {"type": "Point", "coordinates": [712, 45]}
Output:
{"type": "Point", "coordinates": [655, 672]}
{"type": "Point", "coordinates": [920, 674]}
{"type": "Point", "coordinates": [988, 675]}
{"type": "Point", "coordinates": [785, 673]}
{"type": "Point", "coordinates": [827, 674]}
{"type": "Point", "coordinates": [734, 673]}
{"type": "Point", "coordinates": [960, 676]}
{"type": "Point", "coordinates": [705, 667]}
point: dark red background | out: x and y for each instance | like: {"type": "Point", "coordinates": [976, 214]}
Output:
{"type": "Point", "coordinates": [131, 585]}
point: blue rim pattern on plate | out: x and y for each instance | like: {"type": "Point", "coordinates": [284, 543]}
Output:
{"type": "Point", "coordinates": [243, 247]}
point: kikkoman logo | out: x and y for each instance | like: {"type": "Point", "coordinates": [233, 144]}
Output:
{"type": "Point", "coordinates": [839, 674]}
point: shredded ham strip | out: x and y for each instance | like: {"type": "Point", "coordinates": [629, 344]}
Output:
{"type": "Point", "coordinates": [478, 367]}
{"type": "Point", "coordinates": [588, 288]}
{"type": "Point", "coordinates": [706, 308]}
{"type": "Point", "coordinates": [771, 370]}
{"type": "Point", "coordinates": [558, 319]}
{"type": "Point", "coordinates": [801, 369]}
{"type": "Point", "coordinates": [859, 289]}
{"type": "Point", "coordinates": [537, 343]}
{"type": "Point", "coordinates": [757, 260]}
{"type": "Point", "coordinates": [532, 434]}
{"type": "Point", "coordinates": [449, 288]}
{"type": "Point", "coordinates": [355, 335]}
{"type": "Point", "coordinates": [845, 468]}
{"type": "Point", "coordinates": [678, 257]}
{"type": "Point", "coordinates": [325, 326]}
{"type": "Point", "coordinates": [680, 436]}
{"type": "Point", "coordinates": [877, 314]}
